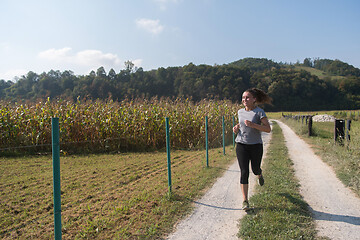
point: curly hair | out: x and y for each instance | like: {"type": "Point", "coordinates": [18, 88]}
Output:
{"type": "Point", "coordinates": [260, 95]}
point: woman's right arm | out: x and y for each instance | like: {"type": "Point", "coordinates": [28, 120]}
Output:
{"type": "Point", "coordinates": [236, 128]}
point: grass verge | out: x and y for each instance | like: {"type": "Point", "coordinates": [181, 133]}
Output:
{"type": "Point", "coordinates": [104, 196]}
{"type": "Point", "coordinates": [279, 210]}
{"type": "Point", "coordinates": [344, 159]}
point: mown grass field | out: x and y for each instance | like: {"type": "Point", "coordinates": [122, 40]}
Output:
{"type": "Point", "coordinates": [104, 196]}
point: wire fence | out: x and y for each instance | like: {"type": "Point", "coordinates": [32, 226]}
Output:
{"type": "Point", "coordinates": [183, 137]}
{"type": "Point", "coordinates": [220, 134]}
{"type": "Point", "coordinates": [341, 130]}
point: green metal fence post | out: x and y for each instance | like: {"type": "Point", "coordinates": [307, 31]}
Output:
{"type": "Point", "coordinates": [56, 177]}
{"type": "Point", "coordinates": [168, 152]}
{"type": "Point", "coordinates": [233, 131]}
{"type": "Point", "coordinates": [223, 133]}
{"type": "Point", "coordinates": [207, 141]}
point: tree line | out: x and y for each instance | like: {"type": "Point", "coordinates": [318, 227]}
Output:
{"type": "Point", "coordinates": [290, 89]}
{"type": "Point", "coordinates": [335, 67]}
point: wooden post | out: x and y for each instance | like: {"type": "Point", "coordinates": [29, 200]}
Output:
{"type": "Point", "coordinates": [348, 125]}
{"type": "Point", "coordinates": [339, 131]}
{"type": "Point", "coordinates": [310, 126]}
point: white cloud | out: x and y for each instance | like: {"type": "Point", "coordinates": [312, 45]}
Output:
{"type": "Point", "coordinates": [85, 60]}
{"type": "Point", "coordinates": [56, 54]}
{"type": "Point", "coordinates": [11, 74]}
{"type": "Point", "coordinates": [97, 58]}
{"type": "Point", "coordinates": [152, 26]}
{"type": "Point", "coordinates": [137, 62]}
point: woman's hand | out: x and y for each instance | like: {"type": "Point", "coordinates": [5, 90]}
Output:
{"type": "Point", "coordinates": [264, 126]}
{"type": "Point", "coordinates": [236, 128]}
{"type": "Point", "coordinates": [248, 123]}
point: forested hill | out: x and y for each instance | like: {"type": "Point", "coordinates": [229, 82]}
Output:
{"type": "Point", "coordinates": [256, 64]}
{"type": "Point", "coordinates": [315, 84]}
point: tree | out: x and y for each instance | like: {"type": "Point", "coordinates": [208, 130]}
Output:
{"type": "Point", "coordinates": [3, 87]}
{"type": "Point", "coordinates": [112, 74]}
{"type": "Point", "coordinates": [308, 62]}
{"type": "Point", "coordinates": [100, 72]}
{"type": "Point", "coordinates": [24, 86]}
{"type": "Point", "coordinates": [291, 89]}
{"type": "Point", "coordinates": [68, 80]}
{"type": "Point", "coordinates": [48, 85]}
{"type": "Point", "coordinates": [129, 66]}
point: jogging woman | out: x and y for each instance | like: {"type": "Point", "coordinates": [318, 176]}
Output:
{"type": "Point", "coordinates": [249, 145]}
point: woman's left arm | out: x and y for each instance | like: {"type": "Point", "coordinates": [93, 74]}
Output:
{"type": "Point", "coordinates": [264, 126]}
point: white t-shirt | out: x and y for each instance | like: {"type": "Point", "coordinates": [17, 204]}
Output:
{"type": "Point", "coordinates": [248, 135]}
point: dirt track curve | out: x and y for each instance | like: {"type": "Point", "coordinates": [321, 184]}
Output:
{"type": "Point", "coordinates": [335, 208]}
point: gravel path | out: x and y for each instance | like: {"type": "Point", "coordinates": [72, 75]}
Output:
{"type": "Point", "coordinates": [335, 208]}
{"type": "Point", "coordinates": [217, 213]}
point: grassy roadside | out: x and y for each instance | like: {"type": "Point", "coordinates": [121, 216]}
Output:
{"type": "Point", "coordinates": [343, 159]}
{"type": "Point", "coordinates": [280, 212]}
{"type": "Point", "coordinates": [104, 196]}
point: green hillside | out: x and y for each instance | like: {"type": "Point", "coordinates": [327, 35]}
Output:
{"type": "Point", "coordinates": [319, 84]}
{"type": "Point", "coordinates": [319, 73]}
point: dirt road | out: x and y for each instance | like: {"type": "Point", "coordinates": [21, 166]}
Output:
{"type": "Point", "coordinates": [217, 213]}
{"type": "Point", "coordinates": [335, 208]}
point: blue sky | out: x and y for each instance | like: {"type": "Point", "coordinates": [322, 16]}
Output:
{"type": "Point", "coordinates": [82, 35]}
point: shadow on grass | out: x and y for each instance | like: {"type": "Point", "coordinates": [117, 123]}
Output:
{"type": "Point", "coordinates": [317, 215]}
{"type": "Point", "coordinates": [335, 217]}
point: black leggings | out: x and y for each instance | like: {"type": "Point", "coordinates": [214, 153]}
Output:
{"type": "Point", "coordinates": [246, 153]}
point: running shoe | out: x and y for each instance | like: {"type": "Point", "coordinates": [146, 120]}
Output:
{"type": "Point", "coordinates": [261, 180]}
{"type": "Point", "coordinates": [246, 205]}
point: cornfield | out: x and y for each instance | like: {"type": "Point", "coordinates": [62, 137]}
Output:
{"type": "Point", "coordinates": [98, 126]}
